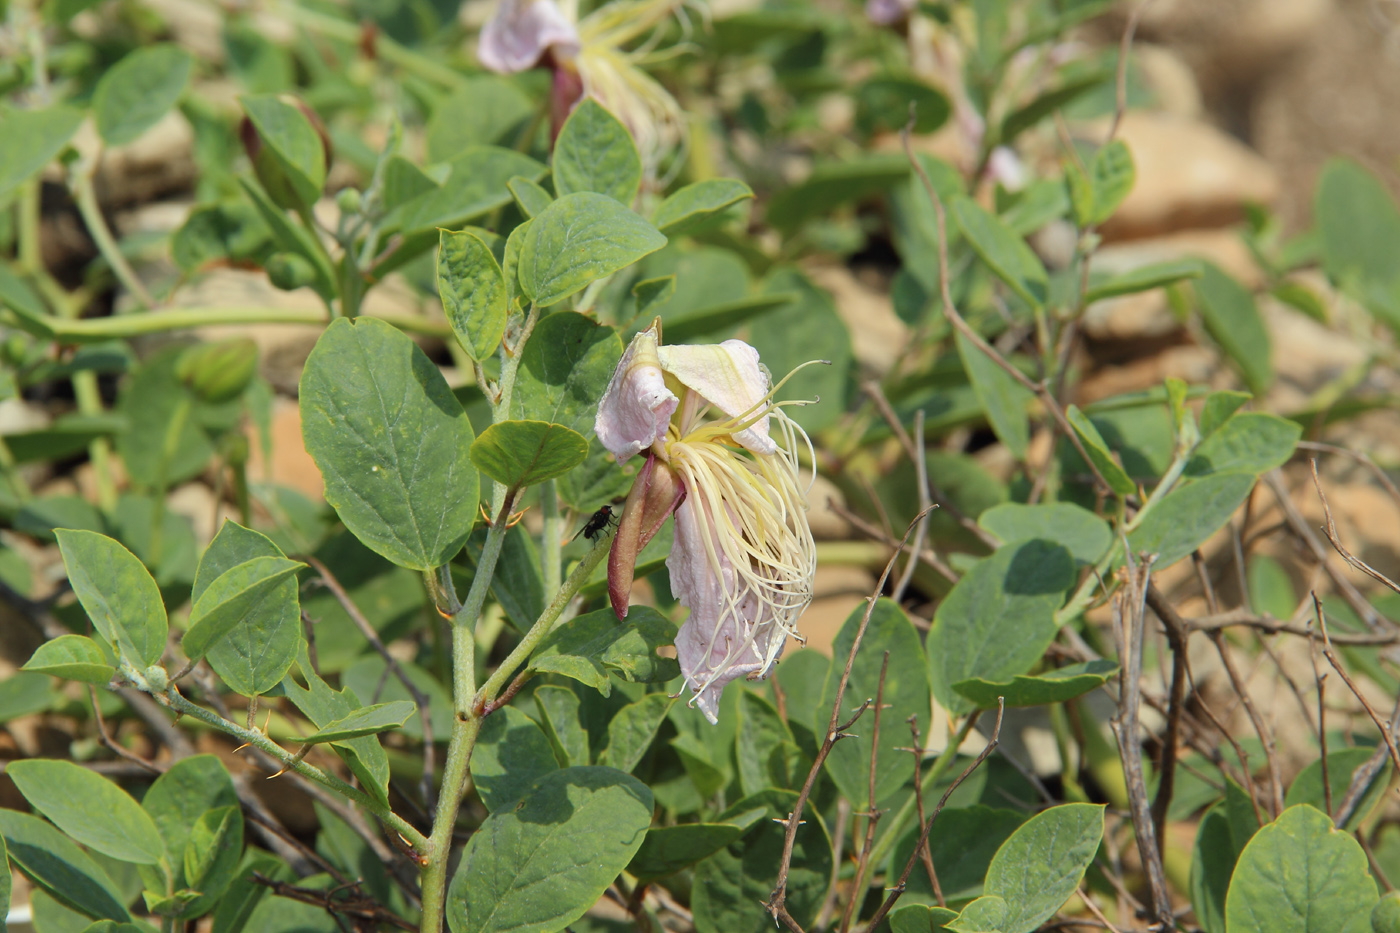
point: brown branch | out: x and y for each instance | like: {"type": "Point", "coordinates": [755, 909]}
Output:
{"type": "Point", "coordinates": [1177, 635]}
{"type": "Point", "coordinates": [344, 900]}
{"type": "Point", "coordinates": [1331, 531]}
{"type": "Point", "coordinates": [1272, 626]}
{"type": "Point", "coordinates": [921, 471]}
{"type": "Point", "coordinates": [328, 580]}
{"type": "Point", "coordinates": [1257, 721]}
{"type": "Point", "coordinates": [898, 889]}
{"type": "Point", "coordinates": [1129, 626]}
{"type": "Point", "coordinates": [1331, 656]}
{"type": "Point", "coordinates": [1360, 456]}
{"type": "Point", "coordinates": [925, 855]}
{"type": "Point", "coordinates": [871, 531]}
{"type": "Point", "coordinates": [872, 815]}
{"type": "Point", "coordinates": [1320, 680]}
{"type": "Point", "coordinates": [777, 901]}
{"type": "Point", "coordinates": [1362, 777]}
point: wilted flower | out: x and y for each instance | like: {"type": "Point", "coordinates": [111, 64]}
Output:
{"type": "Point", "coordinates": [590, 57]}
{"type": "Point", "coordinates": [722, 455]}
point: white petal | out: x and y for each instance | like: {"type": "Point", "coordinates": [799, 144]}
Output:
{"type": "Point", "coordinates": [521, 31]}
{"type": "Point", "coordinates": [729, 377]}
{"type": "Point", "coordinates": [637, 406]}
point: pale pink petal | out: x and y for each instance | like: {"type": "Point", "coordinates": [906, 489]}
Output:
{"type": "Point", "coordinates": [723, 639]}
{"type": "Point", "coordinates": [729, 377]}
{"type": "Point", "coordinates": [637, 406]}
{"type": "Point", "coordinates": [888, 12]}
{"type": "Point", "coordinates": [521, 31]}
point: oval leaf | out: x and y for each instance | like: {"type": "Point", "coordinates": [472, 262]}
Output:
{"type": "Point", "coordinates": [232, 598]}
{"type": "Point", "coordinates": [565, 369]}
{"type": "Point", "coordinates": [589, 647]}
{"type": "Point", "coordinates": [1113, 473]}
{"type": "Point", "coordinates": [72, 657]}
{"type": "Point", "coordinates": [594, 152]}
{"type": "Point", "coordinates": [523, 453]}
{"type": "Point", "coordinates": [90, 808]}
{"type": "Point", "coordinates": [540, 865]}
{"type": "Point", "coordinates": [1188, 515]}
{"type": "Point", "coordinates": [294, 143]}
{"type": "Point", "coordinates": [391, 441]}
{"type": "Point", "coordinates": [54, 862]}
{"type": "Point", "coordinates": [31, 139]}
{"type": "Point", "coordinates": [1232, 319]}
{"type": "Point", "coordinates": [138, 90]}
{"type": "Point", "coordinates": [473, 293]}
{"type": "Point", "coordinates": [1003, 251]}
{"type": "Point", "coordinates": [367, 720]}
{"type": "Point", "coordinates": [691, 205]}
{"type": "Point", "coordinates": [1057, 686]}
{"type": "Point", "coordinates": [476, 183]}
{"type": "Point", "coordinates": [117, 593]}
{"type": "Point", "coordinates": [579, 239]}
{"type": "Point", "coordinates": [1083, 533]}
{"type": "Point", "coordinates": [511, 753]}
{"type": "Point", "coordinates": [1041, 865]}
{"type": "Point", "coordinates": [1300, 874]}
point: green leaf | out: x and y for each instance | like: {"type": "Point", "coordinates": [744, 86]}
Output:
{"type": "Point", "coordinates": [669, 849]}
{"type": "Point", "coordinates": [90, 808]}
{"type": "Point", "coordinates": [159, 409]}
{"type": "Point", "coordinates": [1218, 408]}
{"type": "Point", "coordinates": [1117, 478]}
{"type": "Point", "coordinates": [293, 142]}
{"type": "Point", "coordinates": [577, 240]}
{"type": "Point", "coordinates": [529, 197]}
{"type": "Point", "coordinates": [243, 894]}
{"type": "Point", "coordinates": [1085, 535]}
{"type": "Point", "coordinates": [1188, 515]}
{"type": "Point", "coordinates": [1250, 442]}
{"type": "Point", "coordinates": [189, 789]}
{"type": "Point", "coordinates": [652, 294]}
{"type": "Point", "coordinates": [1005, 253]}
{"type": "Point", "coordinates": [1056, 98]}
{"type": "Point", "coordinates": [55, 864]}
{"type": "Point", "coordinates": [593, 645]}
{"type": "Point", "coordinates": [524, 453]}
{"type": "Point", "coordinates": [1301, 298]}
{"type": "Point", "coordinates": [987, 914]}
{"type": "Point", "coordinates": [564, 370]}
{"type": "Point", "coordinates": [723, 318]}
{"type": "Point", "coordinates": [475, 185]}
{"type": "Point", "coordinates": [832, 184]}
{"type": "Point", "coordinates": [24, 693]}
{"type": "Point", "coordinates": [561, 715]}
{"type": "Point", "coordinates": [1111, 176]}
{"type": "Point", "coordinates": [906, 690]}
{"type": "Point", "coordinates": [370, 680]}
{"type": "Point", "coordinates": [232, 598]}
{"type": "Point", "coordinates": [473, 292]}
{"type": "Point", "coordinates": [1002, 398]}
{"type": "Point", "coordinates": [996, 621]}
{"type": "Point", "coordinates": [1213, 858]}
{"type": "Point", "coordinates": [594, 152]}
{"type": "Point", "coordinates": [72, 657]}
{"type": "Point", "coordinates": [1341, 766]}
{"type": "Point", "coordinates": [962, 848]}
{"type": "Point", "coordinates": [30, 141]}
{"type": "Point", "coordinates": [1056, 686]}
{"type": "Point", "coordinates": [690, 206]}
{"type": "Point", "coordinates": [1358, 222]}
{"type": "Point", "coordinates": [137, 91]}
{"type": "Point", "coordinates": [485, 108]}
{"type": "Point", "coordinates": [367, 720]}
{"type": "Point", "coordinates": [916, 918]}
{"type": "Point", "coordinates": [1300, 874]}
{"type": "Point", "coordinates": [885, 103]}
{"type": "Point", "coordinates": [1041, 865]}
{"type": "Point", "coordinates": [292, 238]}
{"type": "Point", "coordinates": [732, 885]}
{"type": "Point", "coordinates": [1232, 319]}
{"type": "Point", "coordinates": [806, 328]}
{"type": "Point", "coordinates": [1143, 279]}
{"type": "Point", "coordinates": [391, 442]}
{"type": "Point", "coordinates": [117, 593]}
{"type": "Point", "coordinates": [256, 654]}
{"type": "Point", "coordinates": [764, 747]}
{"type": "Point", "coordinates": [632, 730]}
{"type": "Point", "coordinates": [540, 865]}
{"type": "Point", "coordinates": [323, 706]}
{"type": "Point", "coordinates": [211, 856]}
{"type": "Point", "coordinates": [511, 753]}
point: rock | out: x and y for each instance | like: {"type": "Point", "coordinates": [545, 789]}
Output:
{"type": "Point", "coordinates": [878, 336]}
{"type": "Point", "coordinates": [826, 524]}
{"type": "Point", "coordinates": [1189, 175]}
{"type": "Point", "coordinates": [839, 590]}
{"type": "Point", "coordinates": [158, 163]}
{"type": "Point", "coordinates": [1146, 314]}
{"type": "Point", "coordinates": [1170, 78]}
{"type": "Point", "coordinates": [1192, 364]}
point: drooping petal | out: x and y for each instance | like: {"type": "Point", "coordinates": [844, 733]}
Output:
{"type": "Point", "coordinates": [637, 406]}
{"type": "Point", "coordinates": [521, 31]}
{"type": "Point", "coordinates": [729, 377]}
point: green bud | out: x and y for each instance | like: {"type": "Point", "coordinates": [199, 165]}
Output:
{"type": "Point", "coordinates": [235, 448]}
{"type": "Point", "coordinates": [15, 349]}
{"type": "Point", "coordinates": [1385, 917]}
{"type": "Point", "coordinates": [288, 271]}
{"type": "Point", "coordinates": [348, 200]}
{"type": "Point", "coordinates": [219, 372]}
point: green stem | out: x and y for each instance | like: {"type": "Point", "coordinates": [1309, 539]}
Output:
{"type": "Point", "coordinates": [100, 450]}
{"type": "Point", "coordinates": [172, 698]}
{"type": "Point", "coordinates": [551, 543]}
{"type": "Point", "coordinates": [464, 619]}
{"type": "Point", "coordinates": [384, 47]}
{"type": "Point", "coordinates": [98, 330]}
{"type": "Point", "coordinates": [86, 198]}
{"type": "Point", "coordinates": [433, 879]}
{"type": "Point", "coordinates": [11, 468]}
{"type": "Point", "coordinates": [880, 851]}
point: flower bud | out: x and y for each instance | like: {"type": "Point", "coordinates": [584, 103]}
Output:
{"type": "Point", "coordinates": [288, 271]}
{"type": "Point", "coordinates": [348, 200]}
{"type": "Point", "coordinates": [219, 372]}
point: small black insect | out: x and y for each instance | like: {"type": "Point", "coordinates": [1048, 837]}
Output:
{"type": "Point", "coordinates": [596, 523]}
